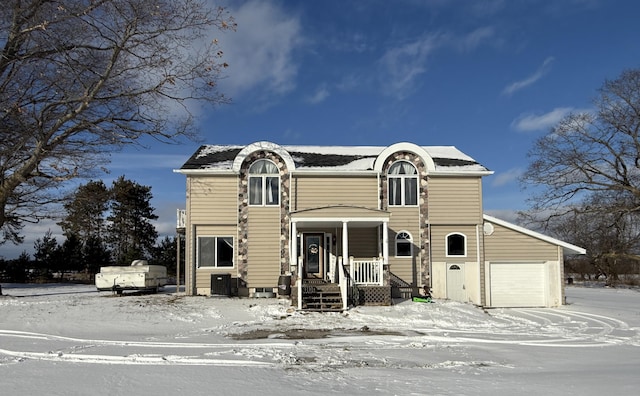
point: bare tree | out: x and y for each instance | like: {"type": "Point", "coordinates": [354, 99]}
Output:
{"type": "Point", "coordinates": [592, 153]}
{"type": "Point", "coordinates": [587, 170]}
{"type": "Point", "coordinates": [80, 78]}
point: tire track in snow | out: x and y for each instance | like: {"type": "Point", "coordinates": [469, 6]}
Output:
{"type": "Point", "coordinates": [525, 327]}
{"type": "Point", "coordinates": [69, 353]}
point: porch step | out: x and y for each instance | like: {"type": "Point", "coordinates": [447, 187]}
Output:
{"type": "Point", "coordinates": [321, 297]}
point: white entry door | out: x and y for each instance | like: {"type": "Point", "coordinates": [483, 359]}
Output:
{"type": "Point", "coordinates": [455, 283]}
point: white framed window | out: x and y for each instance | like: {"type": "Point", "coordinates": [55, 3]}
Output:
{"type": "Point", "coordinates": [215, 251]}
{"type": "Point", "coordinates": [264, 183]}
{"type": "Point", "coordinates": [456, 245]}
{"type": "Point", "coordinates": [404, 244]}
{"type": "Point", "coordinates": [403, 184]}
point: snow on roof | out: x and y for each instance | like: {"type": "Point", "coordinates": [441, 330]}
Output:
{"type": "Point", "coordinates": [332, 158]}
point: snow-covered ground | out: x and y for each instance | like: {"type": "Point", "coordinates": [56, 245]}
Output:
{"type": "Point", "coordinates": [72, 340]}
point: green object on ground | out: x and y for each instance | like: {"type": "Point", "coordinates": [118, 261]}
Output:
{"type": "Point", "coordinates": [422, 299]}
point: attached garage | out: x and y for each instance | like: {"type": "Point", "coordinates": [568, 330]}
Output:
{"type": "Point", "coordinates": [522, 268]}
{"type": "Point", "coordinates": [518, 284]}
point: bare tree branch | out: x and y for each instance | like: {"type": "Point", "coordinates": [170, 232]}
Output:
{"type": "Point", "coordinates": [80, 78]}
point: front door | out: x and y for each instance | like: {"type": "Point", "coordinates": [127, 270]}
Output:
{"type": "Point", "coordinates": [313, 255]}
{"type": "Point", "coordinates": [455, 282]}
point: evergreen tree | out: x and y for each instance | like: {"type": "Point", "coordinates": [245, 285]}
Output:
{"type": "Point", "coordinates": [71, 253]}
{"type": "Point", "coordinates": [95, 255]}
{"type": "Point", "coordinates": [16, 270]}
{"type": "Point", "coordinates": [165, 254]}
{"type": "Point", "coordinates": [46, 255]}
{"type": "Point", "coordinates": [85, 211]}
{"type": "Point", "coordinates": [130, 232]}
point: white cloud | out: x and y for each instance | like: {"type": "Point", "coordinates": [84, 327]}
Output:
{"type": "Point", "coordinates": [476, 38]}
{"type": "Point", "coordinates": [533, 122]}
{"type": "Point", "coordinates": [319, 96]}
{"type": "Point", "coordinates": [537, 75]}
{"type": "Point", "coordinates": [260, 52]}
{"type": "Point", "coordinates": [403, 65]}
{"type": "Point", "coordinates": [504, 178]}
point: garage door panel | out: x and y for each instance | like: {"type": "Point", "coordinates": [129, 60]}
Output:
{"type": "Point", "coordinates": [518, 284]}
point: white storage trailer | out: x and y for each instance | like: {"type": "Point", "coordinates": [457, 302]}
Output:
{"type": "Point", "coordinates": [138, 276]}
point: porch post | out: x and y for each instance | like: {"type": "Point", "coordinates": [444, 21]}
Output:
{"type": "Point", "coordinates": [177, 262]}
{"type": "Point", "coordinates": [385, 242]}
{"type": "Point", "coordinates": [345, 243]}
{"type": "Point", "coordinates": [293, 260]}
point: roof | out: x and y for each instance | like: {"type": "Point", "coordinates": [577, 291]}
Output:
{"type": "Point", "coordinates": [221, 158]}
{"type": "Point", "coordinates": [567, 247]}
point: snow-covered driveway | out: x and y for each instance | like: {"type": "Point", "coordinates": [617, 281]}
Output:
{"type": "Point", "coordinates": [263, 346]}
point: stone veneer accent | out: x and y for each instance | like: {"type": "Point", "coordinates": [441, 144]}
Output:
{"type": "Point", "coordinates": [243, 207]}
{"type": "Point", "coordinates": [423, 204]}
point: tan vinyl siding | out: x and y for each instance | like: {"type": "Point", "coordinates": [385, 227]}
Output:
{"type": "Point", "coordinates": [203, 277]}
{"type": "Point", "coordinates": [455, 200]}
{"type": "Point", "coordinates": [509, 245]}
{"type": "Point", "coordinates": [263, 256]}
{"type": "Point", "coordinates": [404, 219]}
{"type": "Point", "coordinates": [439, 243]}
{"type": "Point", "coordinates": [212, 199]}
{"type": "Point", "coordinates": [363, 242]}
{"type": "Point", "coordinates": [317, 191]}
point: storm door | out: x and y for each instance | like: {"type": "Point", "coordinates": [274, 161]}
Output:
{"type": "Point", "coordinates": [313, 255]}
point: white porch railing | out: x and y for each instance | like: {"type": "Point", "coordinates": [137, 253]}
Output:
{"type": "Point", "coordinates": [366, 271]}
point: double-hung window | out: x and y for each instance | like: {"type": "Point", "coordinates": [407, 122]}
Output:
{"type": "Point", "coordinates": [264, 184]}
{"type": "Point", "coordinates": [403, 184]}
{"type": "Point", "coordinates": [215, 251]}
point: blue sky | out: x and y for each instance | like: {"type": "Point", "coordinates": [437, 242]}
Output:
{"type": "Point", "coordinates": [485, 76]}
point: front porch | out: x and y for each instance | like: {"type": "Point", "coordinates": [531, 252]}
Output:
{"type": "Point", "coordinates": [338, 248]}
{"type": "Point", "coordinates": [362, 283]}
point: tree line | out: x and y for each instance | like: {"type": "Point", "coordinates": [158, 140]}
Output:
{"type": "Point", "coordinates": [102, 226]}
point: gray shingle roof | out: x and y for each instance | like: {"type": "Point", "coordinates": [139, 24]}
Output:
{"type": "Point", "coordinates": [354, 158]}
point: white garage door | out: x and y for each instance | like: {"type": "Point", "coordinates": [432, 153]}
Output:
{"type": "Point", "coordinates": [518, 285]}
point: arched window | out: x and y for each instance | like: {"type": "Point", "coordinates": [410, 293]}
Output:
{"type": "Point", "coordinates": [456, 245]}
{"type": "Point", "coordinates": [404, 244]}
{"type": "Point", "coordinates": [264, 183]}
{"type": "Point", "coordinates": [403, 184]}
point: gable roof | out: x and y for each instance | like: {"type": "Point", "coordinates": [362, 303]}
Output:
{"type": "Point", "coordinates": [220, 158]}
{"type": "Point", "coordinates": [567, 247]}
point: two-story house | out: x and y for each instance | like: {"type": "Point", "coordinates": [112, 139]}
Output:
{"type": "Point", "coordinates": [375, 222]}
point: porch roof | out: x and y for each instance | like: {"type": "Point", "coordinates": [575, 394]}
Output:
{"type": "Point", "coordinates": [336, 215]}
